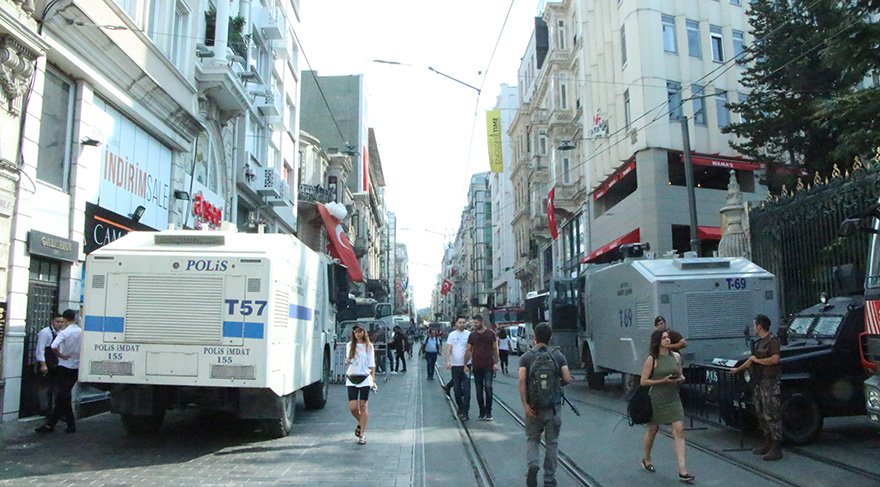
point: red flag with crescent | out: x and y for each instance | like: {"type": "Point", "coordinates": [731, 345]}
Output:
{"type": "Point", "coordinates": [340, 248]}
{"type": "Point", "coordinates": [551, 213]}
{"type": "Point", "coordinates": [446, 287]}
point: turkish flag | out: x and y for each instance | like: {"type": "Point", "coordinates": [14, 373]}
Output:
{"type": "Point", "coordinates": [446, 287]}
{"type": "Point", "coordinates": [551, 213]}
{"type": "Point", "coordinates": [340, 247]}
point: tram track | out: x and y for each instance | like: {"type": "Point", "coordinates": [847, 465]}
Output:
{"type": "Point", "coordinates": [479, 463]}
{"type": "Point", "coordinates": [762, 472]}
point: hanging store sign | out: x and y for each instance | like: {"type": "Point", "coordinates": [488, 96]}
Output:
{"type": "Point", "coordinates": [207, 206]}
{"type": "Point", "coordinates": [58, 248]}
{"type": "Point", "coordinates": [104, 226]}
{"type": "Point", "coordinates": [600, 127]}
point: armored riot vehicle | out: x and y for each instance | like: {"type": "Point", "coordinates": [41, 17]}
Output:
{"type": "Point", "coordinates": [710, 301]}
{"type": "Point", "coordinates": [822, 375]}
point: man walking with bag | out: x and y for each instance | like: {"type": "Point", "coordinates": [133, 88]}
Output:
{"type": "Point", "coordinates": [542, 374]}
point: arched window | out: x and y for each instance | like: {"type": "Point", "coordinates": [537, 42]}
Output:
{"type": "Point", "coordinates": [205, 169]}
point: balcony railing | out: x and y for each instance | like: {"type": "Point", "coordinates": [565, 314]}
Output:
{"type": "Point", "coordinates": [316, 193]}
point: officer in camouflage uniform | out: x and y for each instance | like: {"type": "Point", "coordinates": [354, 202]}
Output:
{"type": "Point", "coordinates": [768, 397]}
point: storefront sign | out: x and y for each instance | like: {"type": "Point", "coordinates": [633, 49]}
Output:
{"type": "Point", "coordinates": [206, 207]}
{"type": "Point", "coordinates": [104, 226]}
{"type": "Point", "coordinates": [135, 169]}
{"type": "Point", "coordinates": [46, 245]}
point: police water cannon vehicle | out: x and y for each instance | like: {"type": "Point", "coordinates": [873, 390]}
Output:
{"type": "Point", "coordinates": [228, 321]}
{"type": "Point", "coordinates": [710, 301]}
{"type": "Point", "coordinates": [821, 374]}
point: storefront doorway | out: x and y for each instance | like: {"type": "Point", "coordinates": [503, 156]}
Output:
{"type": "Point", "coordinates": [45, 276]}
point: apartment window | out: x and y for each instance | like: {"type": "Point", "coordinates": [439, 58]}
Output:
{"type": "Point", "coordinates": [736, 2]}
{"type": "Point", "coordinates": [742, 98]}
{"type": "Point", "coordinates": [56, 122]}
{"type": "Point", "coordinates": [563, 97]}
{"type": "Point", "coordinates": [699, 104]}
{"type": "Point", "coordinates": [542, 143]}
{"type": "Point", "coordinates": [560, 34]}
{"type": "Point", "coordinates": [693, 33]}
{"type": "Point", "coordinates": [627, 110]}
{"type": "Point", "coordinates": [669, 44]}
{"type": "Point", "coordinates": [623, 45]}
{"type": "Point", "coordinates": [130, 7]}
{"type": "Point", "coordinates": [566, 170]}
{"type": "Point", "coordinates": [717, 43]}
{"type": "Point", "coordinates": [673, 97]}
{"type": "Point", "coordinates": [739, 42]}
{"type": "Point", "coordinates": [179, 34]}
{"type": "Point", "coordinates": [721, 109]}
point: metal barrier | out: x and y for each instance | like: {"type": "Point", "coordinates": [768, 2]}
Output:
{"type": "Point", "coordinates": [713, 394]}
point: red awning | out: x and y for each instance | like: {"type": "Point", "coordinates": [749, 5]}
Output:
{"type": "Point", "coordinates": [613, 179]}
{"type": "Point", "coordinates": [631, 237]}
{"type": "Point", "coordinates": [724, 163]}
{"type": "Point", "coordinates": [709, 233]}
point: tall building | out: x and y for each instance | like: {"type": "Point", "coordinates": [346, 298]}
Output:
{"type": "Point", "coordinates": [480, 263]}
{"type": "Point", "coordinates": [334, 110]}
{"type": "Point", "coordinates": [603, 86]}
{"type": "Point", "coordinates": [504, 284]}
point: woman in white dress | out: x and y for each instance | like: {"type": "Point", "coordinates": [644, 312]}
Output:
{"type": "Point", "coordinates": [360, 378]}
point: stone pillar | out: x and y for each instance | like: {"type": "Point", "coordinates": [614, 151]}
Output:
{"type": "Point", "coordinates": [735, 241]}
{"type": "Point", "coordinates": [221, 30]}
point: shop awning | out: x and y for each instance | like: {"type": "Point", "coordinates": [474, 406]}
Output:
{"type": "Point", "coordinates": [724, 163]}
{"type": "Point", "coordinates": [631, 237]}
{"type": "Point", "coordinates": [709, 233]}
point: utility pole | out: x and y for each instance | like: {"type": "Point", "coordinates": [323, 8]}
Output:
{"type": "Point", "coordinates": [689, 181]}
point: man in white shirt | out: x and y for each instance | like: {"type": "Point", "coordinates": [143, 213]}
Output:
{"type": "Point", "coordinates": [47, 363]}
{"type": "Point", "coordinates": [456, 348]}
{"type": "Point", "coordinates": [66, 346]}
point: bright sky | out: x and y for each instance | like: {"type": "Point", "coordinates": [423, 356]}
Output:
{"type": "Point", "coordinates": [424, 123]}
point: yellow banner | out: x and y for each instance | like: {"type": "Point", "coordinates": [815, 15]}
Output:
{"type": "Point", "coordinates": [493, 129]}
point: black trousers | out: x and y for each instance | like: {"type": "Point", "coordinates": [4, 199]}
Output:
{"type": "Point", "coordinates": [400, 355]}
{"type": "Point", "coordinates": [66, 380]}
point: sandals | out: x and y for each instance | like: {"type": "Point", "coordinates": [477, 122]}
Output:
{"type": "Point", "coordinates": [357, 430]}
{"type": "Point", "coordinates": [686, 477]}
{"type": "Point", "coordinates": [362, 440]}
{"type": "Point", "coordinates": [647, 467]}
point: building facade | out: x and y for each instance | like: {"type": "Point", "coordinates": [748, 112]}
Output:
{"type": "Point", "coordinates": [141, 117]}
{"type": "Point", "coordinates": [504, 283]}
{"type": "Point", "coordinates": [603, 88]}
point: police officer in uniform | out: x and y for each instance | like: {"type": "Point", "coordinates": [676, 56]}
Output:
{"type": "Point", "coordinates": [768, 396]}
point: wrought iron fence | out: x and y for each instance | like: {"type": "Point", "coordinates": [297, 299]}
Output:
{"type": "Point", "coordinates": [795, 236]}
{"type": "Point", "coordinates": [316, 193]}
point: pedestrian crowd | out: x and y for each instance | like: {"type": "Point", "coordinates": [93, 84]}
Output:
{"type": "Point", "coordinates": [478, 352]}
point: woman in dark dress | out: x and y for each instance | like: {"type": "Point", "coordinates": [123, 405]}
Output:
{"type": "Point", "coordinates": [662, 372]}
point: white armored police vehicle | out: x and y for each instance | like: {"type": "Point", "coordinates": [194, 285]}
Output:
{"type": "Point", "coordinates": [710, 301]}
{"type": "Point", "coordinates": [227, 321]}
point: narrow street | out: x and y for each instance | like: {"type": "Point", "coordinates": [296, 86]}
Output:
{"type": "Point", "coordinates": [414, 439]}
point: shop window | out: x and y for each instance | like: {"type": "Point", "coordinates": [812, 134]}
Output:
{"type": "Point", "coordinates": [615, 193]}
{"type": "Point", "coordinates": [708, 177]}
{"type": "Point", "coordinates": [56, 122]}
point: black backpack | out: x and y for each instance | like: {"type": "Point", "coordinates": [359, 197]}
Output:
{"type": "Point", "coordinates": [543, 387]}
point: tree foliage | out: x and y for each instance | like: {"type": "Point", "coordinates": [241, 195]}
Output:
{"type": "Point", "coordinates": [805, 104]}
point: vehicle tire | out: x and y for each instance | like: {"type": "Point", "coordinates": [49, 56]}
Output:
{"type": "Point", "coordinates": [801, 418]}
{"type": "Point", "coordinates": [143, 425]}
{"type": "Point", "coordinates": [283, 424]}
{"type": "Point", "coordinates": [315, 395]}
{"type": "Point", "coordinates": [595, 380]}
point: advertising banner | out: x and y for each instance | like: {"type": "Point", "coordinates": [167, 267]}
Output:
{"type": "Point", "coordinates": [135, 169]}
{"type": "Point", "coordinates": [493, 133]}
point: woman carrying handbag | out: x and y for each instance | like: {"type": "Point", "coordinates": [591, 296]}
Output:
{"type": "Point", "coordinates": [662, 372]}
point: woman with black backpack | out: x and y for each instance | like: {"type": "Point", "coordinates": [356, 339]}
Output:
{"type": "Point", "coordinates": [663, 374]}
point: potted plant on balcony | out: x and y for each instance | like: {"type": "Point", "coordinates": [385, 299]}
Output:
{"type": "Point", "coordinates": [237, 40]}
